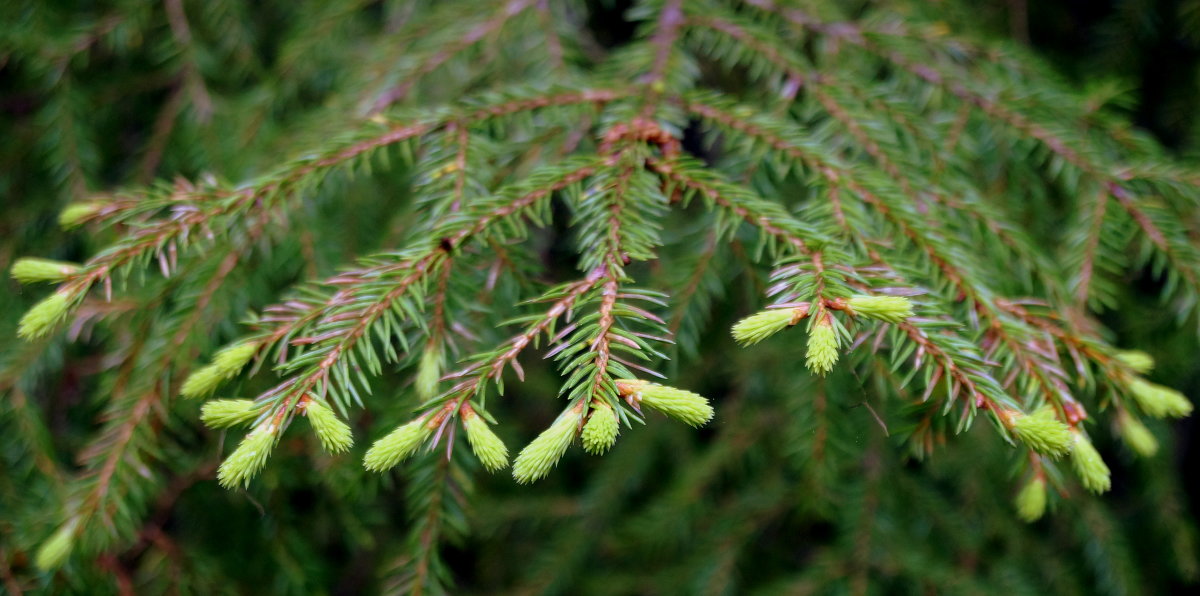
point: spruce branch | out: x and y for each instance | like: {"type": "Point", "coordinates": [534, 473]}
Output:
{"type": "Point", "coordinates": [200, 211]}
{"type": "Point", "coordinates": [892, 185]}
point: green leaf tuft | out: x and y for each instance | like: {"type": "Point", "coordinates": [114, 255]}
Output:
{"type": "Point", "coordinates": [45, 316]}
{"type": "Point", "coordinates": [763, 324]}
{"type": "Point", "coordinates": [822, 347]}
{"type": "Point", "coordinates": [488, 447]}
{"type": "Point", "coordinates": [679, 404]}
{"type": "Point", "coordinates": [1088, 465]}
{"type": "Point", "coordinates": [226, 364]}
{"type": "Point", "coordinates": [1158, 401]}
{"type": "Point", "coordinates": [249, 458]}
{"type": "Point", "coordinates": [1031, 501]}
{"type": "Point", "coordinates": [1136, 435]}
{"type": "Point", "coordinates": [335, 435]}
{"type": "Point", "coordinates": [31, 270]}
{"type": "Point", "coordinates": [1042, 432]}
{"type": "Point", "coordinates": [543, 453]}
{"type": "Point", "coordinates": [601, 430]}
{"type": "Point", "coordinates": [397, 445]}
{"type": "Point", "coordinates": [226, 413]}
{"type": "Point", "coordinates": [55, 550]}
{"type": "Point", "coordinates": [890, 309]}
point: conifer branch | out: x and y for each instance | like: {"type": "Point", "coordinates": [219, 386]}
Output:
{"type": "Point", "coordinates": [890, 191]}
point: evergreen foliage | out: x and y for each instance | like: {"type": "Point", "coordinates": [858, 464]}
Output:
{"type": "Point", "coordinates": [896, 254]}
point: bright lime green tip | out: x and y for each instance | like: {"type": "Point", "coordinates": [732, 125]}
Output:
{"type": "Point", "coordinates": [890, 309]}
{"type": "Point", "coordinates": [397, 445]}
{"type": "Point", "coordinates": [77, 213]}
{"type": "Point", "coordinates": [1137, 436]}
{"type": "Point", "coordinates": [1089, 466]}
{"type": "Point", "coordinates": [1042, 432]}
{"type": "Point", "coordinates": [226, 413]}
{"type": "Point", "coordinates": [45, 316]}
{"type": "Point", "coordinates": [542, 454]}
{"type": "Point", "coordinates": [249, 458]}
{"type": "Point", "coordinates": [822, 348]}
{"type": "Point", "coordinates": [226, 364]}
{"type": "Point", "coordinates": [429, 372]}
{"type": "Point", "coordinates": [491, 451]}
{"type": "Point", "coordinates": [601, 430]}
{"type": "Point", "coordinates": [1158, 401]}
{"type": "Point", "coordinates": [1031, 501]}
{"type": "Point", "coordinates": [32, 270]}
{"type": "Point", "coordinates": [55, 550]}
{"type": "Point", "coordinates": [763, 324]}
{"type": "Point", "coordinates": [335, 435]}
{"type": "Point", "coordinates": [1138, 360]}
{"type": "Point", "coordinates": [681, 405]}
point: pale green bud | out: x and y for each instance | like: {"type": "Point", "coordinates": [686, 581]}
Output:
{"type": "Point", "coordinates": [55, 550]}
{"type": "Point", "coordinates": [601, 429]}
{"type": "Point", "coordinates": [233, 358]}
{"type": "Point", "coordinates": [202, 381]}
{"type": "Point", "coordinates": [250, 456]}
{"type": "Point", "coordinates": [681, 405]}
{"type": "Point", "coordinates": [1138, 360]}
{"type": "Point", "coordinates": [488, 447]}
{"type": "Point", "coordinates": [32, 270]}
{"type": "Point", "coordinates": [1137, 436]}
{"type": "Point", "coordinates": [397, 445]}
{"type": "Point", "coordinates": [539, 456]}
{"type": "Point", "coordinates": [45, 316]}
{"type": "Point", "coordinates": [1041, 431]}
{"type": "Point", "coordinates": [226, 364]}
{"type": "Point", "coordinates": [1158, 401]}
{"type": "Point", "coordinates": [226, 413]}
{"type": "Point", "coordinates": [335, 435]}
{"type": "Point", "coordinates": [429, 372]}
{"type": "Point", "coordinates": [77, 213]}
{"type": "Point", "coordinates": [1031, 501]}
{"type": "Point", "coordinates": [890, 309]}
{"type": "Point", "coordinates": [1091, 469]}
{"type": "Point", "coordinates": [822, 347]}
{"type": "Point", "coordinates": [764, 324]}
